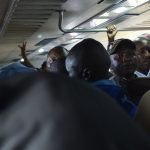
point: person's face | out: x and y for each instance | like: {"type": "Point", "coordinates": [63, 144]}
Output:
{"type": "Point", "coordinates": [144, 59]}
{"type": "Point", "coordinates": [51, 59]}
{"type": "Point", "coordinates": [124, 62]}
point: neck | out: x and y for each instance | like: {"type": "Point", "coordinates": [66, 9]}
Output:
{"type": "Point", "coordinates": [127, 76]}
{"type": "Point", "coordinates": [100, 77]}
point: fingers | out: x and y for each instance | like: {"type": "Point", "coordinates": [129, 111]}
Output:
{"type": "Point", "coordinates": [111, 28]}
{"type": "Point", "coordinates": [23, 45]}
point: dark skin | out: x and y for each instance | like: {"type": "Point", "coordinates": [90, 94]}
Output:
{"type": "Point", "coordinates": [88, 63]}
{"type": "Point", "coordinates": [111, 33]}
{"type": "Point", "coordinates": [124, 63]}
{"type": "Point", "coordinates": [23, 54]}
{"type": "Point", "coordinates": [143, 60]}
{"type": "Point", "coordinates": [77, 69]}
{"type": "Point", "coordinates": [53, 55]}
{"type": "Point", "coordinates": [139, 45]}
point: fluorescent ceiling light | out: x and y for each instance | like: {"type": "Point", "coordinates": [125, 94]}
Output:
{"type": "Point", "coordinates": [74, 34]}
{"type": "Point", "coordinates": [106, 14]}
{"type": "Point", "coordinates": [22, 60]}
{"type": "Point", "coordinates": [97, 22]}
{"type": "Point", "coordinates": [39, 36]}
{"type": "Point", "coordinates": [136, 3]}
{"type": "Point", "coordinates": [41, 50]}
{"type": "Point", "coordinates": [120, 10]}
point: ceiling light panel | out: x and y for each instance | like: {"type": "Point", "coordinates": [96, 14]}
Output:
{"type": "Point", "coordinates": [136, 3]}
{"type": "Point", "coordinates": [121, 10]}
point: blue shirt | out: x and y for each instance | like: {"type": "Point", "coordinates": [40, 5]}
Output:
{"type": "Point", "coordinates": [117, 93]}
{"type": "Point", "coordinates": [13, 69]}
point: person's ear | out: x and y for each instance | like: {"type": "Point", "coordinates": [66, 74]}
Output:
{"type": "Point", "coordinates": [86, 74]}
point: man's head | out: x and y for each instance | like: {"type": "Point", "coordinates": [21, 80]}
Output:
{"type": "Point", "coordinates": [139, 44]}
{"type": "Point", "coordinates": [88, 60]}
{"type": "Point", "coordinates": [143, 59]}
{"type": "Point", "coordinates": [56, 60]}
{"type": "Point", "coordinates": [123, 58]}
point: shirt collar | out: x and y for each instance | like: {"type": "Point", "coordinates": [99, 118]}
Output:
{"type": "Point", "coordinates": [139, 74]}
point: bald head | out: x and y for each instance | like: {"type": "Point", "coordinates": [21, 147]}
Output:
{"type": "Point", "coordinates": [54, 57]}
{"type": "Point", "coordinates": [88, 60]}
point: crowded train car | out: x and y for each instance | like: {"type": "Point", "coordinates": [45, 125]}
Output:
{"type": "Point", "coordinates": [75, 74]}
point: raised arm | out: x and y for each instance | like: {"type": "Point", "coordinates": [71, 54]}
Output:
{"type": "Point", "coordinates": [23, 54]}
{"type": "Point", "coordinates": [111, 33]}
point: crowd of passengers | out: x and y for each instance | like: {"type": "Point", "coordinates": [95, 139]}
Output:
{"type": "Point", "coordinates": [122, 71]}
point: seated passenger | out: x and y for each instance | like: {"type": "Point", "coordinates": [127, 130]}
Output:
{"type": "Point", "coordinates": [89, 61]}
{"type": "Point", "coordinates": [52, 112]}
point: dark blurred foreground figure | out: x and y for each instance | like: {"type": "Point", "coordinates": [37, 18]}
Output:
{"type": "Point", "coordinates": [136, 88]}
{"type": "Point", "coordinates": [143, 113]}
{"type": "Point", "coordinates": [88, 60]}
{"type": "Point", "coordinates": [35, 117]}
{"type": "Point", "coordinates": [14, 69]}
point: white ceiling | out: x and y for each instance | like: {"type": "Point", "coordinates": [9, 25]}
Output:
{"type": "Point", "coordinates": [34, 20]}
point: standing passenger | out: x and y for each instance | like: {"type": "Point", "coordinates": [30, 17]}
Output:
{"type": "Point", "coordinates": [89, 61]}
{"type": "Point", "coordinates": [55, 61]}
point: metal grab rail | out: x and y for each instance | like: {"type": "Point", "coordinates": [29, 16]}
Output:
{"type": "Point", "coordinates": [61, 17]}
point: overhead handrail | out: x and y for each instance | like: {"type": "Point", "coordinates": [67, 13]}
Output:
{"type": "Point", "coordinates": [74, 30]}
{"type": "Point", "coordinates": [60, 24]}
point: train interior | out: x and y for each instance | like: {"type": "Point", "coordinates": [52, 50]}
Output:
{"type": "Point", "coordinates": [44, 24]}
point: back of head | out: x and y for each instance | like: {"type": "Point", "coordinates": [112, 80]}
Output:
{"type": "Point", "coordinates": [145, 39]}
{"type": "Point", "coordinates": [90, 59]}
{"type": "Point", "coordinates": [139, 44]}
{"type": "Point", "coordinates": [58, 51]}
